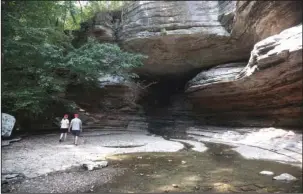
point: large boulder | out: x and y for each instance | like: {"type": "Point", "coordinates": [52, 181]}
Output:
{"type": "Point", "coordinates": [181, 36]}
{"type": "Point", "coordinates": [267, 91]}
{"type": "Point", "coordinates": [8, 122]}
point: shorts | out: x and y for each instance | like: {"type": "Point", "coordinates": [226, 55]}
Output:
{"type": "Point", "coordinates": [76, 132]}
{"type": "Point", "coordinates": [63, 130]}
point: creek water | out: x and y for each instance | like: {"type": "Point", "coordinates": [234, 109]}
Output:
{"type": "Point", "coordinates": [219, 169]}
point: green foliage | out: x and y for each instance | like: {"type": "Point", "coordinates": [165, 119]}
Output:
{"type": "Point", "coordinates": [39, 62]}
{"type": "Point", "coordinates": [79, 12]}
{"type": "Point", "coordinates": [93, 59]}
{"type": "Point", "coordinates": [163, 32]}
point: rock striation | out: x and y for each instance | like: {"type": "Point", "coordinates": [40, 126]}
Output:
{"type": "Point", "coordinates": [114, 103]}
{"type": "Point", "coordinates": [268, 90]}
{"type": "Point", "coordinates": [177, 36]}
{"type": "Point", "coordinates": [185, 36]}
{"type": "Point", "coordinates": [182, 36]}
{"type": "Point", "coordinates": [257, 20]}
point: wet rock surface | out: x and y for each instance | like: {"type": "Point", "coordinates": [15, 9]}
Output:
{"type": "Point", "coordinates": [263, 143]}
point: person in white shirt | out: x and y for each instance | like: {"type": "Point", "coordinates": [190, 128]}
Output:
{"type": "Point", "coordinates": [76, 125]}
{"type": "Point", "coordinates": [64, 127]}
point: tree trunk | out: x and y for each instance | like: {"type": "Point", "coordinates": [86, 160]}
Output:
{"type": "Point", "coordinates": [81, 11]}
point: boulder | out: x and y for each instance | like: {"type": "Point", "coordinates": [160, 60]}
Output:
{"type": "Point", "coordinates": [267, 91]}
{"type": "Point", "coordinates": [8, 122]}
{"type": "Point", "coordinates": [285, 177]}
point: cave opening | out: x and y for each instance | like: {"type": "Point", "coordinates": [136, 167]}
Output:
{"type": "Point", "coordinates": [167, 109]}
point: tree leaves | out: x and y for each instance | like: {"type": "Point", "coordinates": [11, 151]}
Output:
{"type": "Point", "coordinates": [94, 58]}
{"type": "Point", "coordinates": [39, 61]}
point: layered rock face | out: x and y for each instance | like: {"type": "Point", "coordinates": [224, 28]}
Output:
{"type": "Point", "coordinates": [104, 32]}
{"type": "Point", "coordinates": [256, 20]}
{"type": "Point", "coordinates": [227, 13]}
{"type": "Point", "coordinates": [267, 91]}
{"type": "Point", "coordinates": [177, 36]}
{"type": "Point", "coordinates": [182, 36]}
{"type": "Point", "coordinates": [189, 36]}
{"type": "Point", "coordinates": [113, 104]}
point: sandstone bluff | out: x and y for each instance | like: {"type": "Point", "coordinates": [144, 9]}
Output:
{"type": "Point", "coordinates": [250, 71]}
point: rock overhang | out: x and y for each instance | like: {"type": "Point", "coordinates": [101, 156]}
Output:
{"type": "Point", "coordinates": [179, 37]}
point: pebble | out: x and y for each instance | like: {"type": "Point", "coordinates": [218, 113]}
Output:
{"type": "Point", "coordinates": [175, 185]}
{"type": "Point", "coordinates": [285, 177]}
{"type": "Point", "coordinates": [264, 172]}
{"type": "Point", "coordinates": [183, 162]}
{"type": "Point", "coordinates": [245, 188]}
{"type": "Point", "coordinates": [207, 188]}
{"type": "Point", "coordinates": [259, 186]}
{"type": "Point", "coordinates": [234, 190]}
{"type": "Point", "coordinates": [169, 160]}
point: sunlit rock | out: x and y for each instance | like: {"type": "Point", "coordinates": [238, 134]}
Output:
{"type": "Point", "coordinates": [285, 177]}
{"type": "Point", "coordinates": [8, 122]}
{"type": "Point", "coordinates": [91, 165]}
{"type": "Point", "coordinates": [266, 173]}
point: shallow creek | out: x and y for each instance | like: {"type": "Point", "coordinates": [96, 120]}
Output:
{"type": "Point", "coordinates": [219, 169]}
